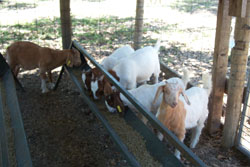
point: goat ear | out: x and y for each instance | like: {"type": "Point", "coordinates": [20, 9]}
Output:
{"type": "Point", "coordinates": [185, 97]}
{"type": "Point", "coordinates": [107, 88]}
{"type": "Point", "coordinates": [158, 93]}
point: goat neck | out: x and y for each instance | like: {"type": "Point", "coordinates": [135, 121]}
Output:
{"type": "Point", "coordinates": [172, 118]}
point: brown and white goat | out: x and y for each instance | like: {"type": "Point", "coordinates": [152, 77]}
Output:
{"type": "Point", "coordinates": [95, 82]}
{"type": "Point", "coordinates": [179, 114]}
{"type": "Point", "coordinates": [93, 74]}
{"type": "Point", "coordinates": [30, 56]}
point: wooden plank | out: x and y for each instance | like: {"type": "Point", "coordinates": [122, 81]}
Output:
{"type": "Point", "coordinates": [237, 80]}
{"type": "Point", "coordinates": [220, 62]}
{"type": "Point", "coordinates": [238, 8]}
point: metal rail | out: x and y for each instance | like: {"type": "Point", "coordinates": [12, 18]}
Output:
{"type": "Point", "coordinates": [239, 138]}
{"type": "Point", "coordinates": [152, 119]}
{"type": "Point", "coordinates": [9, 103]}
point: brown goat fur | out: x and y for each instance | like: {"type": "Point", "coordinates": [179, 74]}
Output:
{"type": "Point", "coordinates": [104, 86]}
{"type": "Point", "coordinates": [112, 97]}
{"type": "Point", "coordinates": [92, 75]}
{"type": "Point", "coordinates": [172, 114]}
{"type": "Point", "coordinates": [173, 118]}
{"type": "Point", "coordinates": [30, 56]}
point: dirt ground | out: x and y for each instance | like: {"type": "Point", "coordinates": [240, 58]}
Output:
{"type": "Point", "coordinates": [62, 132]}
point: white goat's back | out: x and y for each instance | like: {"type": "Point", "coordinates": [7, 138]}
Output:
{"type": "Point", "coordinates": [147, 63]}
{"type": "Point", "coordinates": [120, 53]}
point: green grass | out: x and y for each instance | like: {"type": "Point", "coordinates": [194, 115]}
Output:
{"type": "Point", "coordinates": [104, 33]}
{"type": "Point", "coordinates": [191, 6]}
{"type": "Point", "coordinates": [17, 6]}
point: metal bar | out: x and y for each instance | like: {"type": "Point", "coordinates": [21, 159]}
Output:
{"type": "Point", "coordinates": [18, 83]}
{"type": "Point", "coordinates": [244, 139]}
{"type": "Point", "coordinates": [246, 116]}
{"type": "Point", "coordinates": [59, 78]}
{"type": "Point", "coordinates": [21, 146]}
{"type": "Point", "coordinates": [246, 126]}
{"type": "Point", "coordinates": [3, 138]}
{"type": "Point", "coordinates": [130, 157]}
{"type": "Point", "coordinates": [243, 112]}
{"type": "Point", "coordinates": [4, 68]}
{"type": "Point", "coordinates": [247, 134]}
{"type": "Point", "coordinates": [152, 119]}
{"type": "Point", "coordinates": [243, 150]}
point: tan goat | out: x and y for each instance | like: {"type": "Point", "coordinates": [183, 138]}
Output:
{"type": "Point", "coordinates": [30, 56]}
{"type": "Point", "coordinates": [189, 111]}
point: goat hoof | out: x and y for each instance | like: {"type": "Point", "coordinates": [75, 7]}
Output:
{"type": "Point", "coordinates": [45, 91]}
{"type": "Point", "coordinates": [192, 146]}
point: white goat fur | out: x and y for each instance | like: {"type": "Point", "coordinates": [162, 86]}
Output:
{"type": "Point", "coordinates": [196, 112]}
{"type": "Point", "coordinates": [139, 67]}
{"type": "Point", "coordinates": [136, 68]}
{"type": "Point", "coordinates": [145, 94]}
{"type": "Point", "coordinates": [123, 52]}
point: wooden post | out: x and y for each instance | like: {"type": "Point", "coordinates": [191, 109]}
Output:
{"type": "Point", "coordinates": [138, 24]}
{"type": "Point", "coordinates": [65, 23]}
{"type": "Point", "coordinates": [237, 79]}
{"type": "Point", "coordinates": [220, 62]}
{"type": "Point", "coordinates": [238, 8]}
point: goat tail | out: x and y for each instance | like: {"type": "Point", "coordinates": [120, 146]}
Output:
{"type": "Point", "coordinates": [207, 82]}
{"type": "Point", "coordinates": [157, 45]}
{"type": "Point", "coordinates": [186, 77]}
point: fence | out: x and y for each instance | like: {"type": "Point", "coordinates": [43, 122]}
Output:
{"type": "Point", "coordinates": [243, 139]}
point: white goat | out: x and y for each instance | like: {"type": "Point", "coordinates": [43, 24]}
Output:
{"type": "Point", "coordinates": [139, 67]}
{"type": "Point", "coordinates": [123, 52]}
{"type": "Point", "coordinates": [30, 56]}
{"type": "Point", "coordinates": [136, 68]}
{"type": "Point", "coordinates": [145, 95]}
{"type": "Point", "coordinates": [177, 115]}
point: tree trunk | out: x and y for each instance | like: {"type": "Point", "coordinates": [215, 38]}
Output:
{"type": "Point", "coordinates": [65, 23]}
{"type": "Point", "coordinates": [237, 79]}
{"type": "Point", "coordinates": [138, 24]}
{"type": "Point", "coordinates": [220, 62]}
